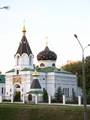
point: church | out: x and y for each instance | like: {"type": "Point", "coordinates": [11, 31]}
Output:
{"type": "Point", "coordinates": [26, 77]}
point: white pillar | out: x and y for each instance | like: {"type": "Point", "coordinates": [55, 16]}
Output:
{"type": "Point", "coordinates": [49, 99]}
{"type": "Point", "coordinates": [23, 98]}
{"type": "Point", "coordinates": [35, 99]}
{"type": "Point", "coordinates": [63, 99]}
{"type": "Point", "coordinates": [79, 100]}
{"type": "Point", "coordinates": [11, 98]}
{"type": "Point", "coordinates": [0, 98]}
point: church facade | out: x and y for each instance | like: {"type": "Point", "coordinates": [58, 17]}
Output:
{"type": "Point", "coordinates": [26, 76]}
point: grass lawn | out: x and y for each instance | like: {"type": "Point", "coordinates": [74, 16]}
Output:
{"type": "Point", "coordinates": [40, 112]}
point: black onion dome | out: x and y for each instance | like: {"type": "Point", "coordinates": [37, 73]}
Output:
{"type": "Point", "coordinates": [46, 54]}
{"type": "Point", "coordinates": [24, 45]}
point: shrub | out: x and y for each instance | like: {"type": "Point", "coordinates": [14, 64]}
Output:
{"type": "Point", "coordinates": [45, 95]}
{"type": "Point", "coordinates": [58, 95]}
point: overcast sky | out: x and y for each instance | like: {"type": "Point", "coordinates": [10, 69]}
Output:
{"type": "Point", "coordinates": [57, 19]}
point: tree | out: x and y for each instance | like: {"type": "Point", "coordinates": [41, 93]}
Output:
{"type": "Point", "coordinates": [58, 95]}
{"type": "Point", "coordinates": [74, 98]}
{"type": "Point", "coordinates": [87, 73]}
{"type": "Point", "coordinates": [45, 95]}
{"type": "Point", "coordinates": [88, 97]}
{"type": "Point", "coordinates": [76, 68]}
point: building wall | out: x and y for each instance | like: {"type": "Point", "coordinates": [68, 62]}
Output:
{"type": "Point", "coordinates": [23, 61]}
{"type": "Point", "coordinates": [12, 81]}
{"type": "Point", "coordinates": [50, 81]}
{"type": "Point", "coordinates": [67, 82]}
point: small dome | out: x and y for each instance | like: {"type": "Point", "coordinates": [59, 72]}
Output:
{"type": "Point", "coordinates": [46, 54]}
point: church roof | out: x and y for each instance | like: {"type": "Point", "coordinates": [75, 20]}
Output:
{"type": "Point", "coordinates": [47, 54]}
{"type": "Point", "coordinates": [12, 70]}
{"type": "Point", "coordinates": [35, 84]}
{"type": "Point", "coordinates": [24, 45]}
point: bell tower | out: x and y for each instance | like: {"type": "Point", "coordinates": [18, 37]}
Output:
{"type": "Point", "coordinates": [24, 56]}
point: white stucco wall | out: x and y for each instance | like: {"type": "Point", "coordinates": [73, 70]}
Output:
{"type": "Point", "coordinates": [24, 61]}
{"type": "Point", "coordinates": [47, 63]}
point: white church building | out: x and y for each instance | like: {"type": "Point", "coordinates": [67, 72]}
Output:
{"type": "Point", "coordinates": [25, 77]}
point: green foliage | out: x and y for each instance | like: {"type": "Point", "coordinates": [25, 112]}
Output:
{"type": "Point", "coordinates": [87, 73]}
{"type": "Point", "coordinates": [45, 95]}
{"type": "Point", "coordinates": [76, 68]}
{"type": "Point", "coordinates": [88, 97]}
{"type": "Point", "coordinates": [74, 98]}
{"type": "Point", "coordinates": [17, 97]}
{"type": "Point", "coordinates": [58, 95]}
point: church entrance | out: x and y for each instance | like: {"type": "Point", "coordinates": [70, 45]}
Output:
{"type": "Point", "coordinates": [17, 96]}
{"type": "Point", "coordinates": [17, 93]}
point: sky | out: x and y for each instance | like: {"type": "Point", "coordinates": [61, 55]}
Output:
{"type": "Point", "coordinates": [57, 19]}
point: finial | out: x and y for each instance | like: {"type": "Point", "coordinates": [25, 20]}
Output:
{"type": "Point", "coordinates": [46, 39]}
{"type": "Point", "coordinates": [24, 29]}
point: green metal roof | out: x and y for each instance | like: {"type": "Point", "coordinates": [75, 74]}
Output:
{"type": "Point", "coordinates": [52, 69]}
{"type": "Point", "coordinates": [46, 69]}
{"type": "Point", "coordinates": [12, 70]}
{"type": "Point", "coordinates": [27, 69]}
{"type": "Point", "coordinates": [2, 78]}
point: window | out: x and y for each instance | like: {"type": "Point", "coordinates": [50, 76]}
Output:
{"type": "Point", "coordinates": [2, 90]}
{"type": "Point", "coordinates": [66, 92]}
{"type": "Point", "coordinates": [30, 59]}
{"type": "Point", "coordinates": [17, 72]}
{"type": "Point", "coordinates": [17, 60]}
{"type": "Point", "coordinates": [53, 65]}
{"type": "Point", "coordinates": [42, 65]}
{"type": "Point", "coordinates": [73, 91]}
{"type": "Point", "coordinates": [17, 86]}
{"type": "Point", "coordinates": [10, 90]}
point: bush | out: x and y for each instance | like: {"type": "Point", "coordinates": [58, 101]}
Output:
{"type": "Point", "coordinates": [45, 95]}
{"type": "Point", "coordinates": [5, 100]}
{"type": "Point", "coordinates": [58, 95]}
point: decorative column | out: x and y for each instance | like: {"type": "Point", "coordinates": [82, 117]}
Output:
{"type": "Point", "coordinates": [23, 98]}
{"type": "Point", "coordinates": [36, 101]}
{"type": "Point", "coordinates": [79, 100]}
{"type": "Point", "coordinates": [63, 99]}
{"type": "Point", "coordinates": [49, 99]}
{"type": "Point", "coordinates": [0, 98]}
{"type": "Point", "coordinates": [11, 98]}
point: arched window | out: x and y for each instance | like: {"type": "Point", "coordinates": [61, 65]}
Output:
{"type": "Point", "coordinates": [42, 65]}
{"type": "Point", "coordinates": [17, 86]}
{"type": "Point", "coordinates": [53, 65]}
{"type": "Point", "coordinates": [30, 59]}
{"type": "Point", "coordinates": [2, 90]}
{"type": "Point", "coordinates": [17, 60]}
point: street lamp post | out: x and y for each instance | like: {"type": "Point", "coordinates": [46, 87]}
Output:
{"type": "Point", "coordinates": [83, 78]}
